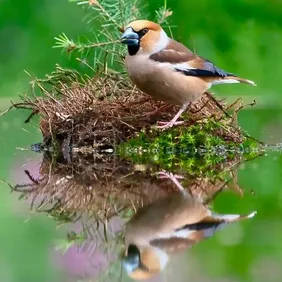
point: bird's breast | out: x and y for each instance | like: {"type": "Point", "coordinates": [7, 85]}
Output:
{"type": "Point", "coordinates": [137, 68]}
{"type": "Point", "coordinates": [162, 82]}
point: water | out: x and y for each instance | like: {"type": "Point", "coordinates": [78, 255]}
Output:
{"type": "Point", "coordinates": [42, 221]}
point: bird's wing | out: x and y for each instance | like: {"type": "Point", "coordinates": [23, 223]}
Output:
{"type": "Point", "coordinates": [187, 235]}
{"type": "Point", "coordinates": [211, 223]}
{"type": "Point", "coordinates": [185, 61]}
{"type": "Point", "coordinates": [202, 225]}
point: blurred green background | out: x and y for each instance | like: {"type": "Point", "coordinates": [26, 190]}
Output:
{"type": "Point", "coordinates": [242, 36]}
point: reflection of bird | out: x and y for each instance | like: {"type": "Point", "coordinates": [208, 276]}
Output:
{"type": "Point", "coordinates": [166, 69]}
{"type": "Point", "coordinates": [168, 226]}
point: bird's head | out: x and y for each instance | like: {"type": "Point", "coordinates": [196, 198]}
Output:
{"type": "Point", "coordinates": [143, 263]}
{"type": "Point", "coordinates": [144, 37]}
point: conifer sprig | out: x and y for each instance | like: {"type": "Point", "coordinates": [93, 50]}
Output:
{"type": "Point", "coordinates": [107, 19]}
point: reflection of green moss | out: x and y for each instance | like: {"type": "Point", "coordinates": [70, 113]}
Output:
{"type": "Point", "coordinates": [71, 240]}
{"type": "Point", "coordinates": [61, 216]}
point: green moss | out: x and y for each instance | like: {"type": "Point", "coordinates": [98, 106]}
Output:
{"type": "Point", "coordinates": [194, 149]}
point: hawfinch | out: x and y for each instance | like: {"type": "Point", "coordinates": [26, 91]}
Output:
{"type": "Point", "coordinates": [168, 226]}
{"type": "Point", "coordinates": [167, 70]}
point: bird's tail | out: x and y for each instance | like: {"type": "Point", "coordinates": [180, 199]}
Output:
{"type": "Point", "coordinates": [232, 79]}
{"type": "Point", "coordinates": [239, 80]}
{"type": "Point", "coordinates": [210, 224]}
{"type": "Point", "coordinates": [227, 218]}
{"type": "Point", "coordinates": [216, 220]}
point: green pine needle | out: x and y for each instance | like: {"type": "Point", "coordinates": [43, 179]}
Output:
{"type": "Point", "coordinates": [105, 21]}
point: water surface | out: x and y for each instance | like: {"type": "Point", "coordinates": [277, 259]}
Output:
{"type": "Point", "coordinates": [42, 222]}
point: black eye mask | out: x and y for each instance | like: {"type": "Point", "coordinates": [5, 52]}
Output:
{"type": "Point", "coordinates": [132, 50]}
{"type": "Point", "coordinates": [142, 32]}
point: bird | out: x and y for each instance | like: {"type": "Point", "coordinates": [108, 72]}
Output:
{"type": "Point", "coordinates": [167, 70]}
{"type": "Point", "coordinates": [168, 226]}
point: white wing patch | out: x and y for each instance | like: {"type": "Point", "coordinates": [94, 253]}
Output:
{"type": "Point", "coordinates": [225, 81]}
{"type": "Point", "coordinates": [180, 66]}
{"type": "Point", "coordinates": [183, 66]}
{"type": "Point", "coordinates": [184, 233]}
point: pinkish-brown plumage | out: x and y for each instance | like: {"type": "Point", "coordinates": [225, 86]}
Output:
{"type": "Point", "coordinates": [166, 69]}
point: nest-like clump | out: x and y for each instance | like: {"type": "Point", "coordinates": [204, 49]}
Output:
{"type": "Point", "coordinates": [107, 110]}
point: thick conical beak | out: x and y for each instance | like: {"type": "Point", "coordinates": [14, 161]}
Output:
{"type": "Point", "coordinates": [130, 37]}
{"type": "Point", "coordinates": [131, 263]}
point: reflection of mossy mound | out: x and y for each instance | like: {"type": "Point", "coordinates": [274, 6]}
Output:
{"type": "Point", "coordinates": [107, 186]}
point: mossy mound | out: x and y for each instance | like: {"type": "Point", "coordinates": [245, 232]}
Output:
{"type": "Point", "coordinates": [107, 110]}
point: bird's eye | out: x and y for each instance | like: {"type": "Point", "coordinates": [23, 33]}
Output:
{"type": "Point", "coordinates": [144, 31]}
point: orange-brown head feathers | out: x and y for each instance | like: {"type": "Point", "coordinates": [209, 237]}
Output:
{"type": "Point", "coordinates": [140, 24]}
{"type": "Point", "coordinates": [145, 37]}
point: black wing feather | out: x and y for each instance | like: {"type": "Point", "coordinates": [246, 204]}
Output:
{"type": "Point", "coordinates": [209, 69]}
{"type": "Point", "coordinates": [200, 226]}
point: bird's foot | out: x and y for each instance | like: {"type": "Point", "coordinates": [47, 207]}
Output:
{"type": "Point", "coordinates": [165, 175]}
{"type": "Point", "coordinates": [168, 124]}
{"type": "Point", "coordinates": [173, 178]}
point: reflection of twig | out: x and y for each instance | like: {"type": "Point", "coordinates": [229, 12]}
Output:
{"type": "Point", "coordinates": [6, 111]}
{"type": "Point", "coordinates": [7, 183]}
{"type": "Point", "coordinates": [31, 177]}
{"type": "Point", "coordinates": [213, 196]}
{"type": "Point", "coordinates": [235, 185]}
